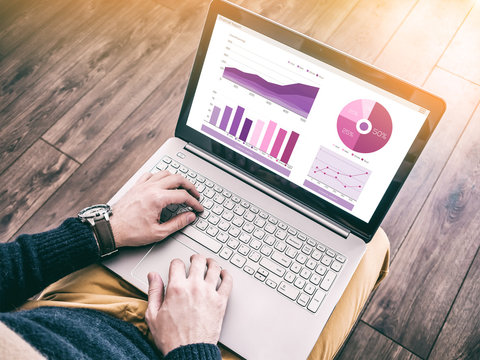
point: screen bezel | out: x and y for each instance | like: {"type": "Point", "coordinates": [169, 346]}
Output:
{"type": "Point", "coordinates": [335, 58]}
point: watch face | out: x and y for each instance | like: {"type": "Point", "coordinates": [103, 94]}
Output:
{"type": "Point", "coordinates": [95, 211]}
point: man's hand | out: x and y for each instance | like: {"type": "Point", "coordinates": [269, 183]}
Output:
{"type": "Point", "coordinates": [192, 309]}
{"type": "Point", "coordinates": [136, 216]}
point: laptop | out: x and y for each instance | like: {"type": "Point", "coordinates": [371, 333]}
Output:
{"type": "Point", "coordinates": [298, 151]}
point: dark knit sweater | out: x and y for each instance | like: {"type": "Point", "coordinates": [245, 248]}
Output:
{"type": "Point", "coordinates": [31, 263]}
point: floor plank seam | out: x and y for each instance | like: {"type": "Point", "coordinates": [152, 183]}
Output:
{"type": "Point", "coordinates": [61, 151]}
{"type": "Point", "coordinates": [457, 75]}
{"type": "Point", "coordinates": [392, 340]}
{"type": "Point", "coordinates": [342, 22]}
{"type": "Point", "coordinates": [393, 256]}
{"type": "Point", "coordinates": [449, 43]}
{"type": "Point", "coordinates": [453, 303]}
{"type": "Point", "coordinates": [395, 32]}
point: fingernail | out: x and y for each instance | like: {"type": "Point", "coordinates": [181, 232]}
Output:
{"type": "Point", "coordinates": [191, 217]}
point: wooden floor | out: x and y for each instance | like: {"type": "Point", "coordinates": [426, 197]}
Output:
{"type": "Point", "coordinates": [90, 88]}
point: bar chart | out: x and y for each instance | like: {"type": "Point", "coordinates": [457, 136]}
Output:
{"type": "Point", "coordinates": [264, 141]}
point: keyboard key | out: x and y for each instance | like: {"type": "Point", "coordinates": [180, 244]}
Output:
{"type": "Point", "coordinates": [167, 160]}
{"type": "Point", "coordinates": [233, 243]}
{"type": "Point", "coordinates": [316, 255]}
{"type": "Point", "coordinates": [200, 187]}
{"type": "Point", "coordinates": [245, 204]}
{"type": "Point", "coordinates": [226, 253]}
{"type": "Point", "coordinates": [192, 174]}
{"type": "Point", "coordinates": [235, 198]}
{"type": "Point", "coordinates": [328, 280]}
{"type": "Point", "coordinates": [183, 169]}
{"type": "Point", "coordinates": [336, 266]}
{"type": "Point", "coordinates": [271, 283]}
{"type": "Point", "coordinates": [315, 279]}
{"type": "Point", "coordinates": [200, 179]}
{"type": "Point", "coordinates": [281, 234]}
{"type": "Point", "coordinates": [292, 231]}
{"type": "Point", "coordinates": [229, 204]}
{"type": "Point", "coordinates": [312, 242]}
{"type": "Point", "coordinates": [295, 267]}
{"type": "Point", "coordinates": [209, 183]}
{"type": "Point", "coordinates": [316, 301]}
{"type": "Point", "coordinates": [273, 267]}
{"type": "Point", "coordinates": [248, 270]}
{"type": "Point", "coordinates": [222, 237]}
{"type": "Point", "coordinates": [330, 253]}
{"type": "Point", "coordinates": [301, 258]}
{"type": "Point", "coordinates": [217, 188]}
{"type": "Point", "coordinates": [175, 165]}
{"type": "Point", "coordinates": [207, 204]}
{"type": "Point", "coordinates": [209, 193]}
{"type": "Point", "coordinates": [299, 283]}
{"type": "Point", "coordinates": [263, 214]}
{"type": "Point", "coordinates": [226, 193]}
{"type": "Point", "coordinates": [307, 249]}
{"type": "Point", "coordinates": [288, 290]}
{"type": "Point", "coordinates": [270, 240]}
{"type": "Point", "coordinates": [249, 216]}
{"type": "Point", "coordinates": [248, 227]}
{"type": "Point", "coordinates": [213, 219]}
{"type": "Point", "coordinates": [202, 239]}
{"type": "Point", "coordinates": [227, 215]}
{"type": "Point", "coordinates": [234, 231]}
{"type": "Point", "coordinates": [282, 226]}
{"type": "Point", "coordinates": [238, 221]}
{"type": "Point", "coordinates": [223, 225]}
{"type": "Point", "coordinates": [239, 210]}
{"type": "Point", "coordinates": [266, 250]}
{"type": "Point", "coordinates": [259, 276]}
{"type": "Point", "coordinates": [245, 238]}
{"type": "Point", "coordinates": [326, 260]}
{"type": "Point", "coordinates": [341, 258]}
{"type": "Point", "coordinates": [311, 264]}
{"type": "Point", "coordinates": [309, 289]}
{"type": "Point", "coordinates": [273, 220]}
{"type": "Point", "coordinates": [259, 222]}
{"type": "Point", "coordinates": [305, 273]}
{"type": "Point", "coordinates": [202, 224]}
{"type": "Point", "coordinates": [212, 231]}
{"type": "Point", "coordinates": [280, 245]}
{"type": "Point", "coordinates": [321, 247]}
{"type": "Point", "coordinates": [290, 277]}
{"type": "Point", "coordinates": [297, 244]}
{"type": "Point", "coordinates": [281, 259]}
{"type": "Point", "coordinates": [238, 260]}
{"type": "Point", "coordinates": [255, 244]}
{"type": "Point", "coordinates": [321, 269]}
{"type": "Point", "coordinates": [270, 228]}
{"type": "Point", "coordinates": [291, 252]}
{"type": "Point", "coordinates": [254, 256]}
{"type": "Point", "coordinates": [303, 299]}
{"type": "Point", "coordinates": [302, 237]}
{"type": "Point", "coordinates": [244, 250]}
{"type": "Point", "coordinates": [254, 209]}
{"type": "Point", "coordinates": [219, 199]}
{"type": "Point", "coordinates": [263, 272]}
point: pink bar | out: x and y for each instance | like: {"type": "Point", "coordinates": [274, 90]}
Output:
{"type": "Point", "coordinates": [278, 142]}
{"type": "Point", "coordinates": [256, 132]}
{"type": "Point", "coordinates": [268, 136]}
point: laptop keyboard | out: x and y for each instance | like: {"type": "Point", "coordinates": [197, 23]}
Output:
{"type": "Point", "coordinates": [266, 248]}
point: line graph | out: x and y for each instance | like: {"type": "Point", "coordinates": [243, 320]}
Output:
{"type": "Point", "coordinates": [338, 173]}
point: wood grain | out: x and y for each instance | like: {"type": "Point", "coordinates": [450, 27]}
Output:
{"type": "Point", "coordinates": [418, 44]}
{"type": "Point", "coordinates": [462, 98]}
{"type": "Point", "coordinates": [463, 55]}
{"type": "Point", "coordinates": [366, 343]}
{"type": "Point", "coordinates": [29, 183]}
{"type": "Point", "coordinates": [116, 160]}
{"type": "Point", "coordinates": [89, 122]}
{"type": "Point", "coordinates": [412, 304]}
{"type": "Point", "coordinates": [364, 38]}
{"type": "Point", "coordinates": [460, 336]}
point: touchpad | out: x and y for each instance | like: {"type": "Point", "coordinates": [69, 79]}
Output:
{"type": "Point", "coordinates": [159, 257]}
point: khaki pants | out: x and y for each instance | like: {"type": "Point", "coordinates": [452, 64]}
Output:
{"type": "Point", "coordinates": [97, 288]}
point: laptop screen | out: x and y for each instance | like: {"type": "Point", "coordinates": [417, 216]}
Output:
{"type": "Point", "coordinates": [336, 136]}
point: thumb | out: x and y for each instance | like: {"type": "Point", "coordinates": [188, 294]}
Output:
{"type": "Point", "coordinates": [177, 222]}
{"type": "Point", "coordinates": [155, 291]}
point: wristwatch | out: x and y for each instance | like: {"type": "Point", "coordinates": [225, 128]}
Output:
{"type": "Point", "coordinates": [98, 217]}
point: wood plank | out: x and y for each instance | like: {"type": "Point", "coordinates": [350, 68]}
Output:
{"type": "Point", "coordinates": [90, 121]}
{"type": "Point", "coordinates": [69, 74]}
{"type": "Point", "coordinates": [118, 158]}
{"type": "Point", "coordinates": [367, 29]}
{"type": "Point", "coordinates": [462, 97]}
{"type": "Point", "coordinates": [366, 343]}
{"type": "Point", "coordinates": [460, 335]}
{"type": "Point", "coordinates": [463, 55]}
{"type": "Point", "coordinates": [413, 302]}
{"type": "Point", "coordinates": [418, 44]}
{"type": "Point", "coordinates": [27, 184]}
{"type": "Point", "coordinates": [318, 19]}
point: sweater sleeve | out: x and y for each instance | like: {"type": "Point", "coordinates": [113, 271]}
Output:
{"type": "Point", "coordinates": [32, 262]}
{"type": "Point", "coordinates": [200, 351]}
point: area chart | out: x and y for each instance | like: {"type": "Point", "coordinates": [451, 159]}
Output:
{"type": "Point", "coordinates": [298, 98]}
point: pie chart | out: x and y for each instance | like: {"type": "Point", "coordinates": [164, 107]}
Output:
{"type": "Point", "coordinates": [364, 126]}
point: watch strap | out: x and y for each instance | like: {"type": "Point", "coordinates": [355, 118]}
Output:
{"type": "Point", "coordinates": [104, 234]}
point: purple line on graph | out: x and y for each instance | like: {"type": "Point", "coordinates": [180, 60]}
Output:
{"type": "Point", "coordinates": [327, 194]}
{"type": "Point", "coordinates": [292, 140]}
{"type": "Point", "coordinates": [247, 151]}
{"type": "Point", "coordinates": [278, 142]}
{"type": "Point", "coordinates": [214, 117]}
{"type": "Point", "coordinates": [297, 97]}
{"type": "Point", "coordinates": [256, 132]}
{"type": "Point", "coordinates": [236, 120]}
{"type": "Point", "coordinates": [268, 135]}
{"type": "Point", "coordinates": [225, 118]}
{"type": "Point", "coordinates": [246, 129]}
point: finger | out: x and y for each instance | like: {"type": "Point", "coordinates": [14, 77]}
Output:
{"type": "Point", "coordinates": [160, 175]}
{"type": "Point", "coordinates": [155, 292]}
{"type": "Point", "coordinates": [179, 197]}
{"type": "Point", "coordinates": [176, 223]}
{"type": "Point", "coordinates": [177, 272]}
{"type": "Point", "coordinates": [213, 272]}
{"type": "Point", "coordinates": [225, 287]}
{"type": "Point", "coordinates": [144, 178]}
{"type": "Point", "coordinates": [197, 267]}
{"type": "Point", "coordinates": [178, 181]}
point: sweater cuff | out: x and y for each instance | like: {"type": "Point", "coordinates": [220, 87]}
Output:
{"type": "Point", "coordinates": [200, 351]}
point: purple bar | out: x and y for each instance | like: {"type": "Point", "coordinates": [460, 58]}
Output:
{"type": "Point", "coordinates": [292, 140]}
{"type": "Point", "coordinates": [256, 132]}
{"type": "Point", "coordinates": [236, 120]}
{"type": "Point", "coordinates": [214, 117]}
{"type": "Point", "coordinates": [246, 129]}
{"type": "Point", "coordinates": [247, 151]}
{"type": "Point", "coordinates": [268, 135]}
{"type": "Point", "coordinates": [298, 98]}
{"type": "Point", "coordinates": [225, 118]}
{"type": "Point", "coordinates": [278, 142]}
{"type": "Point", "coordinates": [326, 194]}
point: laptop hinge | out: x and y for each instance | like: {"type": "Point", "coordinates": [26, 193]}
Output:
{"type": "Point", "coordinates": [292, 203]}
